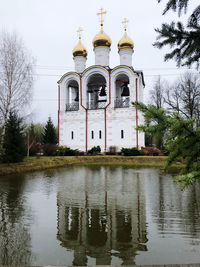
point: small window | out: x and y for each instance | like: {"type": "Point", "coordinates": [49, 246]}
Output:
{"type": "Point", "coordinates": [99, 134]}
{"type": "Point", "coordinates": [72, 135]}
{"type": "Point", "coordinates": [122, 134]}
{"type": "Point", "coordinates": [92, 134]}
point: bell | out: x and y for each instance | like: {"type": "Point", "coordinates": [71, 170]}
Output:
{"type": "Point", "coordinates": [125, 88]}
{"type": "Point", "coordinates": [90, 90]}
{"type": "Point", "coordinates": [103, 91]}
{"type": "Point", "coordinates": [77, 97]}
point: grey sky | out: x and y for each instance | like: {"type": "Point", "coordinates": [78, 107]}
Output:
{"type": "Point", "coordinates": [49, 30]}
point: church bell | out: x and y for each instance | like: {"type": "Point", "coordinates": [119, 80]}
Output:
{"type": "Point", "coordinates": [77, 97]}
{"type": "Point", "coordinates": [125, 89]}
{"type": "Point", "coordinates": [89, 89]}
{"type": "Point", "coordinates": [103, 91]}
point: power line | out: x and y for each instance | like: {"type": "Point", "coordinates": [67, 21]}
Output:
{"type": "Point", "coordinates": [146, 75]}
{"type": "Point", "coordinates": [48, 67]}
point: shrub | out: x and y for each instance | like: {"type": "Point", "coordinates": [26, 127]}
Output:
{"type": "Point", "coordinates": [35, 149]}
{"type": "Point", "coordinates": [130, 151]}
{"type": "Point", "coordinates": [142, 152]}
{"type": "Point", "coordinates": [66, 151]}
{"type": "Point", "coordinates": [49, 149]}
{"type": "Point", "coordinates": [151, 151]}
{"type": "Point", "coordinates": [94, 150]}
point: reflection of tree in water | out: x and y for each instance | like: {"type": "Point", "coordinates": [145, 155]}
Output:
{"type": "Point", "coordinates": [15, 248]}
{"type": "Point", "coordinates": [176, 211]}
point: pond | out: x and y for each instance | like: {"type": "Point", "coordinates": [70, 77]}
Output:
{"type": "Point", "coordinates": [98, 216]}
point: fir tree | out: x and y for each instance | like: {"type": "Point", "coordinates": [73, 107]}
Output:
{"type": "Point", "coordinates": [181, 138]}
{"type": "Point", "coordinates": [14, 149]}
{"type": "Point", "coordinates": [185, 41]}
{"type": "Point", "coordinates": [49, 135]}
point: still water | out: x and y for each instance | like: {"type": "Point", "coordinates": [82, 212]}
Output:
{"type": "Point", "coordinates": [98, 215]}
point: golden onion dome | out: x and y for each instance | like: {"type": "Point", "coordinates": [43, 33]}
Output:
{"type": "Point", "coordinates": [125, 42]}
{"type": "Point", "coordinates": [79, 50]}
{"type": "Point", "coordinates": [101, 39]}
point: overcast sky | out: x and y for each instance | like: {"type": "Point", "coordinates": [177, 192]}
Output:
{"type": "Point", "coordinates": [49, 30]}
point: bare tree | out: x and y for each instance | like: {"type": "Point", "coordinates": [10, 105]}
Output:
{"type": "Point", "coordinates": [16, 76]}
{"type": "Point", "coordinates": [157, 93]}
{"type": "Point", "coordinates": [157, 99]}
{"type": "Point", "coordinates": [184, 97]}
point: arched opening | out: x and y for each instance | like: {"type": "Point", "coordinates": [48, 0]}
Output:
{"type": "Point", "coordinates": [72, 96]}
{"type": "Point", "coordinates": [96, 92]}
{"type": "Point", "coordinates": [122, 92]}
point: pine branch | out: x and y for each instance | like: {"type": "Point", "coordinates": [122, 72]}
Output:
{"type": "Point", "coordinates": [185, 43]}
{"type": "Point", "coordinates": [176, 5]}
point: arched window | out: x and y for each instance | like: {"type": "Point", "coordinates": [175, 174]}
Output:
{"type": "Point", "coordinates": [122, 92]}
{"type": "Point", "coordinates": [96, 92]}
{"type": "Point", "coordinates": [72, 96]}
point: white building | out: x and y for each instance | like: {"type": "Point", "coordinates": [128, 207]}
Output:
{"type": "Point", "coordinates": [95, 102]}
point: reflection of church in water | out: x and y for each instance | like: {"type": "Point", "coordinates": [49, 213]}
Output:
{"type": "Point", "coordinates": [101, 218]}
{"type": "Point", "coordinates": [95, 103]}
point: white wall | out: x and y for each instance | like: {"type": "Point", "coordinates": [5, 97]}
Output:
{"type": "Point", "coordinates": [117, 118]}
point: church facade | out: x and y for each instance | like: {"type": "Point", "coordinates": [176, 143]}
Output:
{"type": "Point", "coordinates": [94, 106]}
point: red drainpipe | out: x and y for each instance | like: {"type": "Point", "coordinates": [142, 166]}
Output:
{"type": "Point", "coordinates": [136, 83]}
{"type": "Point", "coordinates": [58, 114]}
{"type": "Point", "coordinates": [86, 118]}
{"type": "Point", "coordinates": [105, 118]}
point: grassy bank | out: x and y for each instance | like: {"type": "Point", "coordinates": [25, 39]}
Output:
{"type": "Point", "coordinates": [34, 164]}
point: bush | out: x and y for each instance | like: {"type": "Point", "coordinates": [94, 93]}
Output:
{"type": "Point", "coordinates": [130, 151]}
{"type": "Point", "coordinates": [94, 150]}
{"type": "Point", "coordinates": [66, 151]}
{"type": "Point", "coordinates": [35, 149]}
{"type": "Point", "coordinates": [49, 149]}
{"type": "Point", "coordinates": [142, 152]}
{"type": "Point", "coordinates": [151, 151]}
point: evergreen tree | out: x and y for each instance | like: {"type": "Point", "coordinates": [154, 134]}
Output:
{"type": "Point", "coordinates": [185, 41]}
{"type": "Point", "coordinates": [14, 149]}
{"type": "Point", "coordinates": [49, 135]}
{"type": "Point", "coordinates": [181, 138]}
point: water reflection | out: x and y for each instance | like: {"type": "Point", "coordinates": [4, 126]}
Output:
{"type": "Point", "coordinates": [98, 215]}
{"type": "Point", "coordinates": [102, 215]}
{"type": "Point", "coordinates": [15, 238]}
{"type": "Point", "coordinates": [175, 212]}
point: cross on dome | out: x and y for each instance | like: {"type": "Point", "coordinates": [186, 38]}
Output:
{"type": "Point", "coordinates": [125, 21]}
{"type": "Point", "coordinates": [79, 32]}
{"type": "Point", "coordinates": [101, 13]}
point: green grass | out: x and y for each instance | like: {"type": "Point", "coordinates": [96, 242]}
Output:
{"type": "Point", "coordinates": [40, 163]}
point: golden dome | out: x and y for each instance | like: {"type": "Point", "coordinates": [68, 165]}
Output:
{"type": "Point", "coordinates": [79, 50]}
{"type": "Point", "coordinates": [125, 42]}
{"type": "Point", "coordinates": [101, 39]}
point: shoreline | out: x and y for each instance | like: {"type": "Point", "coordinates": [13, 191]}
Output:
{"type": "Point", "coordinates": [32, 164]}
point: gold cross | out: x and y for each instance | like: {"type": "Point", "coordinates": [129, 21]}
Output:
{"type": "Point", "coordinates": [101, 13]}
{"type": "Point", "coordinates": [125, 21]}
{"type": "Point", "coordinates": [79, 32]}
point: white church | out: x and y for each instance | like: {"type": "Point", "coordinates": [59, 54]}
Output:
{"type": "Point", "coordinates": [94, 106]}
